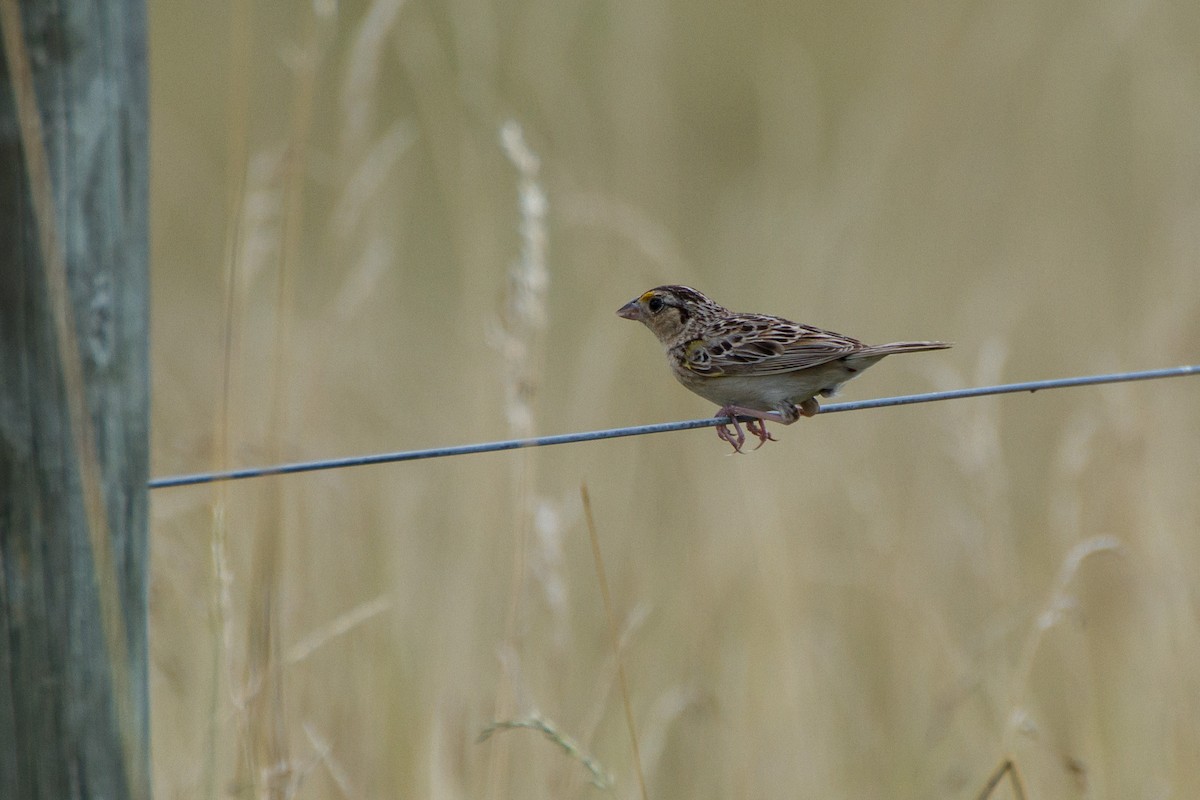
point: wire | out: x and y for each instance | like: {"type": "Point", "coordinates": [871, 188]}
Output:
{"type": "Point", "coordinates": [661, 427]}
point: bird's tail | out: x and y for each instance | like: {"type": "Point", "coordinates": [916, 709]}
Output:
{"type": "Point", "coordinates": [881, 350]}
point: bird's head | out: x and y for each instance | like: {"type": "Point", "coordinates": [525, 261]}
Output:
{"type": "Point", "coordinates": [668, 310]}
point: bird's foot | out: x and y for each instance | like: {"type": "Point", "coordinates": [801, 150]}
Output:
{"type": "Point", "coordinates": [737, 437]}
{"type": "Point", "coordinates": [758, 427]}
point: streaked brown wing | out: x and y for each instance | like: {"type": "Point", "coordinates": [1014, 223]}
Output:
{"type": "Point", "coordinates": [750, 344]}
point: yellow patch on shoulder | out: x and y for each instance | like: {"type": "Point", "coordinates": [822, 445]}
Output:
{"type": "Point", "coordinates": [698, 359]}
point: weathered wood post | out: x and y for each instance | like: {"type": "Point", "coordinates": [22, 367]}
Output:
{"type": "Point", "coordinates": [74, 400]}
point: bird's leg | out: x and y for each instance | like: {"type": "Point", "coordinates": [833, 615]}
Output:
{"type": "Point", "coordinates": [784, 417]}
{"type": "Point", "coordinates": [758, 422]}
{"type": "Point", "coordinates": [736, 440]}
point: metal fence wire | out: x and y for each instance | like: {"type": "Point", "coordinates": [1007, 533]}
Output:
{"type": "Point", "coordinates": [662, 427]}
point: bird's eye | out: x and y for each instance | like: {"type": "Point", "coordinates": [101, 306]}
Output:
{"type": "Point", "coordinates": [655, 305]}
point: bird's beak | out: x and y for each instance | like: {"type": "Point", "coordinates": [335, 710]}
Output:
{"type": "Point", "coordinates": [630, 310]}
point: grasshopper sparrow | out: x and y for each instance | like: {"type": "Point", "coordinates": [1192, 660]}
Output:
{"type": "Point", "coordinates": [753, 365]}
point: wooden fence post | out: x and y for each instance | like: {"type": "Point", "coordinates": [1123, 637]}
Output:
{"type": "Point", "coordinates": [74, 400]}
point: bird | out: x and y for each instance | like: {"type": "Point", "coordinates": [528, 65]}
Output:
{"type": "Point", "coordinates": [767, 368]}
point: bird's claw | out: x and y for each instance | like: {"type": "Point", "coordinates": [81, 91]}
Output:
{"type": "Point", "coordinates": [737, 438]}
{"type": "Point", "coordinates": [758, 427]}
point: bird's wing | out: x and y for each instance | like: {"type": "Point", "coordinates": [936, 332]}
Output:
{"type": "Point", "coordinates": [753, 344]}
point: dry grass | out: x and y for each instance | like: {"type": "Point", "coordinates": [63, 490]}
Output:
{"type": "Point", "coordinates": [883, 604]}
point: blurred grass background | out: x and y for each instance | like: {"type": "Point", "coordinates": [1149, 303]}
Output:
{"type": "Point", "coordinates": [883, 604]}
